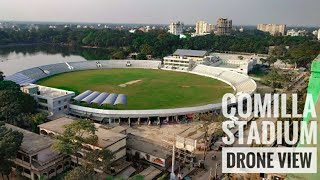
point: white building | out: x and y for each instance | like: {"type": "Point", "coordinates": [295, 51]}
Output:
{"type": "Point", "coordinates": [315, 32]}
{"type": "Point", "coordinates": [183, 58]}
{"type": "Point", "coordinates": [51, 100]}
{"type": "Point", "coordinates": [176, 28]}
{"type": "Point", "coordinates": [203, 28]}
{"type": "Point", "coordinates": [319, 34]}
{"type": "Point", "coordinates": [241, 63]}
{"type": "Point", "coordinates": [132, 30]}
{"type": "Point", "coordinates": [293, 32]}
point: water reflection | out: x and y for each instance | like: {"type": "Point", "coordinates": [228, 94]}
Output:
{"type": "Point", "coordinates": [17, 58]}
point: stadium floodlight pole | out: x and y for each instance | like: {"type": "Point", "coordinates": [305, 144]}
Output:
{"type": "Point", "coordinates": [172, 175]}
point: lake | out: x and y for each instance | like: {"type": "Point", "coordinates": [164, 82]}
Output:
{"type": "Point", "coordinates": [17, 58]}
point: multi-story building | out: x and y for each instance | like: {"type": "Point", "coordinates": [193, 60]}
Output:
{"type": "Point", "coordinates": [224, 26]}
{"type": "Point", "coordinates": [176, 28]}
{"type": "Point", "coordinates": [36, 159]}
{"type": "Point", "coordinates": [241, 63]}
{"type": "Point", "coordinates": [203, 28]}
{"type": "Point", "coordinates": [273, 29]}
{"type": "Point", "coordinates": [140, 147]}
{"type": "Point", "coordinates": [293, 32]}
{"type": "Point", "coordinates": [183, 58]}
{"type": "Point", "coordinates": [114, 141]}
{"type": "Point", "coordinates": [50, 100]}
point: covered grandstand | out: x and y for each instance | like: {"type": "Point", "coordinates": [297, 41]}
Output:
{"type": "Point", "coordinates": [239, 82]}
{"type": "Point", "coordinates": [101, 98]}
{"type": "Point", "coordinates": [33, 74]}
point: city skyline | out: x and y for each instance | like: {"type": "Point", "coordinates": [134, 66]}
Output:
{"type": "Point", "coordinates": [290, 12]}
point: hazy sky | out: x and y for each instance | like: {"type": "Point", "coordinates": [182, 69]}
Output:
{"type": "Point", "coordinates": [246, 12]}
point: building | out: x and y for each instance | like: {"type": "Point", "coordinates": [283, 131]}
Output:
{"type": "Point", "coordinates": [183, 58]}
{"type": "Point", "coordinates": [36, 159]}
{"type": "Point", "coordinates": [187, 143]}
{"type": "Point", "coordinates": [176, 28]}
{"type": "Point", "coordinates": [150, 173]}
{"type": "Point", "coordinates": [273, 29]}
{"type": "Point", "coordinates": [319, 34]}
{"type": "Point", "coordinates": [107, 139]}
{"type": "Point", "coordinates": [50, 100]}
{"type": "Point", "coordinates": [241, 63]}
{"type": "Point", "coordinates": [315, 32]}
{"type": "Point", "coordinates": [141, 148]}
{"type": "Point", "coordinates": [224, 26]}
{"type": "Point", "coordinates": [293, 32]}
{"type": "Point", "coordinates": [241, 29]}
{"type": "Point", "coordinates": [203, 28]}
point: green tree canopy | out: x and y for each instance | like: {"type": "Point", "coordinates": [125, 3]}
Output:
{"type": "Point", "coordinates": [81, 173]}
{"type": "Point", "coordinates": [75, 134]}
{"type": "Point", "coordinates": [10, 142]}
{"type": "Point", "coordinates": [14, 105]}
{"type": "Point", "coordinates": [9, 85]}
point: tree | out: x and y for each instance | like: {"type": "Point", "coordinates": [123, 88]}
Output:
{"type": "Point", "coordinates": [75, 134]}
{"type": "Point", "coordinates": [81, 173]}
{"type": "Point", "coordinates": [1, 76]}
{"type": "Point", "coordinates": [137, 177]}
{"type": "Point", "coordinates": [212, 126]}
{"type": "Point", "coordinates": [35, 120]}
{"type": "Point", "coordinates": [10, 142]}
{"type": "Point", "coordinates": [142, 56]}
{"type": "Point", "coordinates": [14, 106]}
{"type": "Point", "coordinates": [146, 49]}
{"type": "Point", "coordinates": [9, 85]}
{"type": "Point", "coordinates": [118, 55]}
{"type": "Point", "coordinates": [100, 159]}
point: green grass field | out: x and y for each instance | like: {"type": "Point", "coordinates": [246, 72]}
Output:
{"type": "Point", "coordinates": [156, 88]}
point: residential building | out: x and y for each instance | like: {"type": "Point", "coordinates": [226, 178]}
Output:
{"type": "Point", "coordinates": [115, 141]}
{"type": "Point", "coordinates": [139, 147]}
{"type": "Point", "coordinates": [36, 159]}
{"type": "Point", "coordinates": [203, 28]}
{"type": "Point", "coordinates": [50, 100]}
{"type": "Point", "coordinates": [183, 58]}
{"type": "Point", "coordinates": [293, 32]}
{"type": "Point", "coordinates": [176, 28]}
{"type": "Point", "coordinates": [273, 29]}
{"type": "Point", "coordinates": [224, 26]}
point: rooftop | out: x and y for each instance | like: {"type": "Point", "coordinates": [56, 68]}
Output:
{"type": "Point", "coordinates": [150, 173]}
{"type": "Point", "coordinates": [48, 91]}
{"type": "Point", "coordinates": [32, 142]}
{"type": "Point", "coordinates": [238, 57]}
{"type": "Point", "coordinates": [188, 52]}
{"type": "Point", "coordinates": [142, 144]}
{"type": "Point", "coordinates": [105, 137]}
{"type": "Point", "coordinates": [192, 133]}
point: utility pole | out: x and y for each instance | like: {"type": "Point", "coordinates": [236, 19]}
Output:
{"type": "Point", "coordinates": [172, 175]}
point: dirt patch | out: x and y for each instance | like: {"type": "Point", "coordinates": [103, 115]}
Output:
{"type": "Point", "coordinates": [129, 83]}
